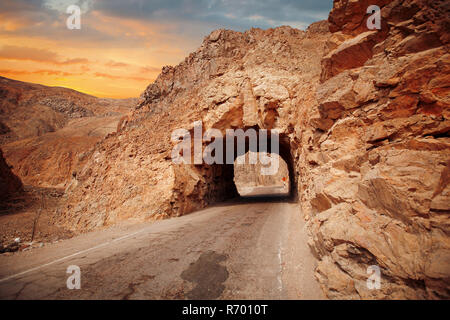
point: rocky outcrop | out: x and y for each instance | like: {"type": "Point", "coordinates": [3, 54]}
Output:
{"type": "Point", "coordinates": [363, 118]}
{"type": "Point", "coordinates": [349, 17]}
{"type": "Point", "coordinates": [234, 80]}
{"type": "Point", "coordinates": [10, 184]}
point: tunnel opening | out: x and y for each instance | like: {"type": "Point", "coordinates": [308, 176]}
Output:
{"type": "Point", "coordinates": [223, 183]}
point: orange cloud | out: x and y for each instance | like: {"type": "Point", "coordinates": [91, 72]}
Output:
{"type": "Point", "coordinates": [149, 70]}
{"type": "Point", "coordinates": [13, 23]}
{"type": "Point", "coordinates": [39, 55]}
{"type": "Point", "coordinates": [37, 72]}
{"type": "Point", "coordinates": [25, 53]}
{"type": "Point", "coordinates": [74, 61]}
{"type": "Point", "coordinates": [111, 76]}
{"type": "Point", "coordinates": [116, 64]}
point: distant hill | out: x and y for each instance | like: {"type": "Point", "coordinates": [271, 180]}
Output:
{"type": "Point", "coordinates": [28, 110]}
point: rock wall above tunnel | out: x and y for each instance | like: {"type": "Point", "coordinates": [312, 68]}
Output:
{"type": "Point", "coordinates": [365, 116]}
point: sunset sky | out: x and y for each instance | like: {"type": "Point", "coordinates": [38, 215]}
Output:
{"type": "Point", "coordinates": [122, 45]}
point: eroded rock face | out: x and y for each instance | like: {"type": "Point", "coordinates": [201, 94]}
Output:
{"type": "Point", "coordinates": [251, 179]}
{"type": "Point", "coordinates": [378, 193]}
{"type": "Point", "coordinates": [364, 115]}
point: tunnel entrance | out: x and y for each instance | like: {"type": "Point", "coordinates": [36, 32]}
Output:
{"type": "Point", "coordinates": [207, 167]}
{"type": "Point", "coordinates": [234, 181]}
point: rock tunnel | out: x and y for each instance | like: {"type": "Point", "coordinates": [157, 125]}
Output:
{"type": "Point", "coordinates": [217, 182]}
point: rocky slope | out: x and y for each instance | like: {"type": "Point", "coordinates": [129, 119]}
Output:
{"type": "Point", "coordinates": [364, 122]}
{"type": "Point", "coordinates": [45, 132]}
{"type": "Point", "coordinates": [377, 190]}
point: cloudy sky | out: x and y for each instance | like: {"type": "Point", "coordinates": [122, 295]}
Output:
{"type": "Point", "coordinates": [122, 45]}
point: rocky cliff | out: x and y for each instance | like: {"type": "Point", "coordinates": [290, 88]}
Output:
{"type": "Point", "coordinates": [377, 190]}
{"type": "Point", "coordinates": [234, 80]}
{"type": "Point", "coordinates": [364, 121]}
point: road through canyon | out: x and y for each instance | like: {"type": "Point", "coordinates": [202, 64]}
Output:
{"type": "Point", "coordinates": [245, 249]}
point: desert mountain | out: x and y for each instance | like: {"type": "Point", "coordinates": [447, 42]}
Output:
{"type": "Point", "coordinates": [47, 131]}
{"type": "Point", "coordinates": [28, 110]}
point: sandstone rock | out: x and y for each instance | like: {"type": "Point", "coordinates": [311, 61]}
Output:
{"type": "Point", "coordinates": [51, 130]}
{"type": "Point", "coordinates": [397, 218]}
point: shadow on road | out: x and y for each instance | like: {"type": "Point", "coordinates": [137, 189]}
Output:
{"type": "Point", "coordinates": [256, 199]}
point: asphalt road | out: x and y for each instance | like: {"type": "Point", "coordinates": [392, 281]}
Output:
{"type": "Point", "coordinates": [265, 191]}
{"type": "Point", "coordinates": [241, 250]}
